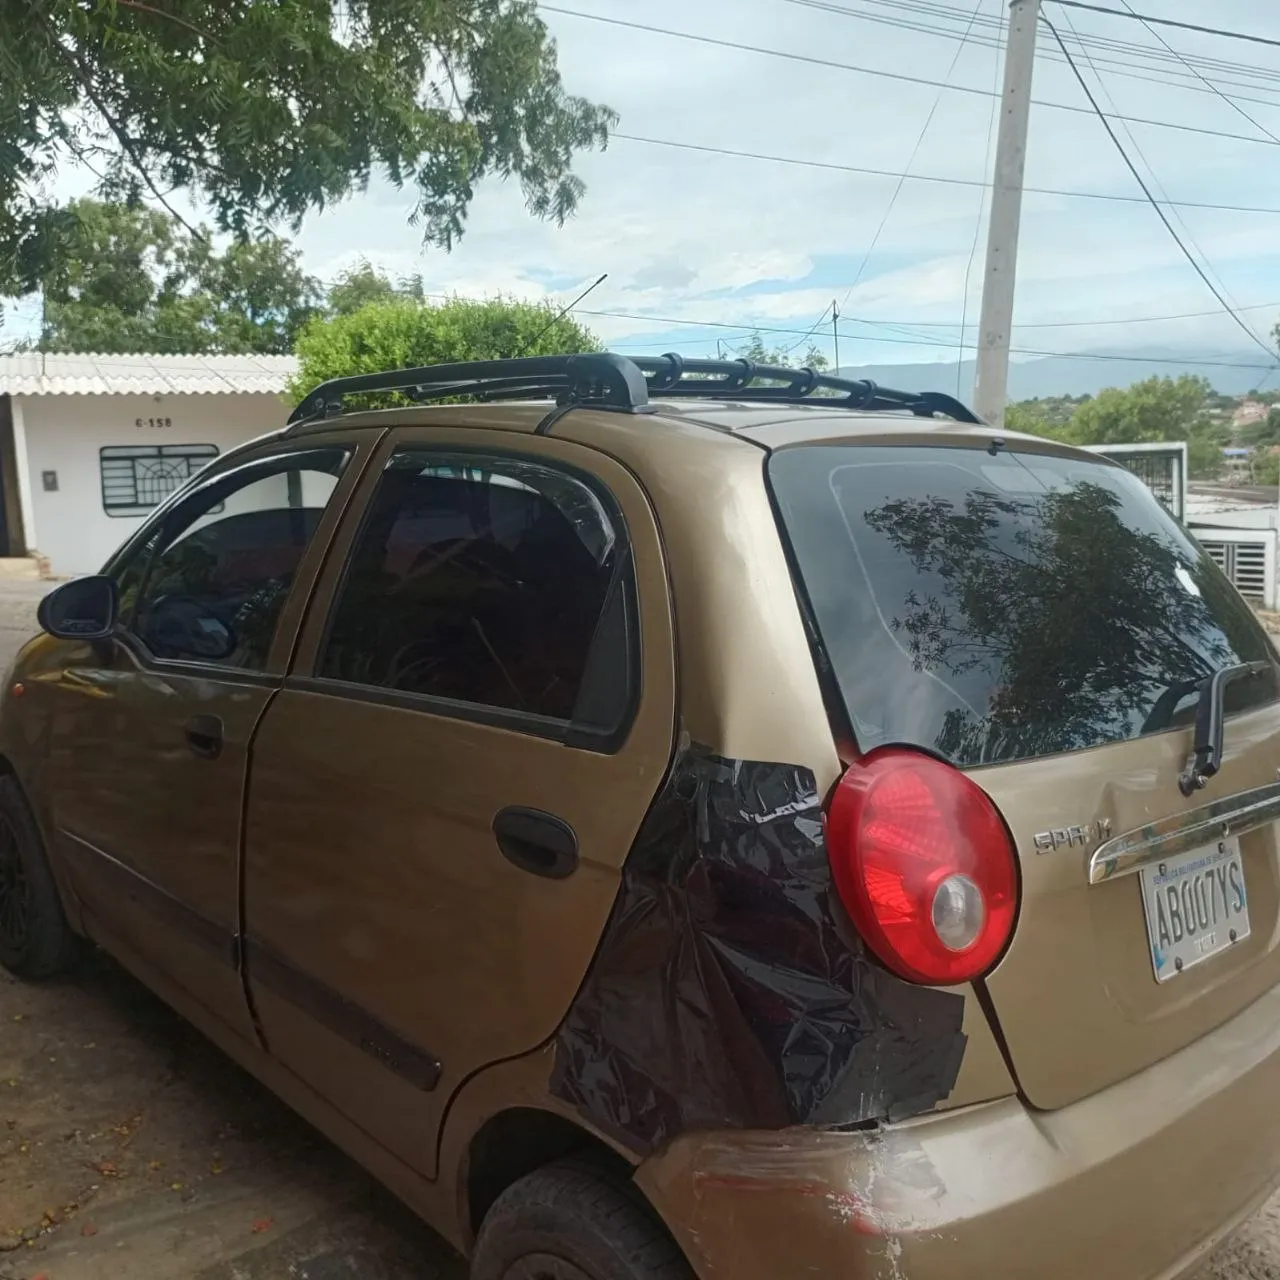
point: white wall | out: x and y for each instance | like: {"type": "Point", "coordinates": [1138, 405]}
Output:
{"type": "Point", "coordinates": [63, 433]}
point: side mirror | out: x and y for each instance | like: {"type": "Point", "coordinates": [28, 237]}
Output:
{"type": "Point", "coordinates": [84, 609]}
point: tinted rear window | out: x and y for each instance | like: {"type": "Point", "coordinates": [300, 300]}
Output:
{"type": "Point", "coordinates": [993, 608]}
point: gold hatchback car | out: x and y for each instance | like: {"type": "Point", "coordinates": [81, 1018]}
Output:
{"type": "Point", "coordinates": [682, 818]}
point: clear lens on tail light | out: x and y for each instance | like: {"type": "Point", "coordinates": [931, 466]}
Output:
{"type": "Point", "coordinates": [924, 866]}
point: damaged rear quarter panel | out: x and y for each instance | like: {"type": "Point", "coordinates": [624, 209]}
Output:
{"type": "Point", "coordinates": [729, 990]}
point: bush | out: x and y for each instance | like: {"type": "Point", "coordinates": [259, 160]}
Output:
{"type": "Point", "coordinates": [400, 332]}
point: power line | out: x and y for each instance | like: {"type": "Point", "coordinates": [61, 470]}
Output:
{"type": "Point", "coordinates": [810, 60]}
{"type": "Point", "coordinates": [677, 323]}
{"type": "Point", "coordinates": [1169, 22]}
{"type": "Point", "coordinates": [817, 324]}
{"type": "Point", "coordinates": [1130, 69]}
{"type": "Point", "coordinates": [746, 330]}
{"type": "Point", "coordinates": [1222, 292]}
{"type": "Point", "coordinates": [1090, 324]}
{"type": "Point", "coordinates": [1213, 88]}
{"type": "Point", "coordinates": [1160, 213]}
{"type": "Point", "coordinates": [1109, 45]}
{"type": "Point", "coordinates": [911, 159]}
{"type": "Point", "coordinates": [833, 166]}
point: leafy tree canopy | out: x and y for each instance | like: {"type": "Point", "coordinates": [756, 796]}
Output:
{"type": "Point", "coordinates": [400, 332]}
{"type": "Point", "coordinates": [133, 279]}
{"type": "Point", "coordinates": [266, 109]}
{"type": "Point", "coordinates": [788, 357]}
{"type": "Point", "coordinates": [364, 283]}
{"type": "Point", "coordinates": [1153, 410]}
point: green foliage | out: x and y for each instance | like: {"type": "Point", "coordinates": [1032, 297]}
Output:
{"type": "Point", "coordinates": [1265, 432]}
{"type": "Point", "coordinates": [267, 109]}
{"type": "Point", "coordinates": [1157, 409]}
{"type": "Point", "coordinates": [134, 280]}
{"type": "Point", "coordinates": [399, 333]}
{"type": "Point", "coordinates": [756, 351]}
{"type": "Point", "coordinates": [364, 283]}
{"type": "Point", "coordinates": [1030, 416]}
{"type": "Point", "coordinates": [1264, 467]}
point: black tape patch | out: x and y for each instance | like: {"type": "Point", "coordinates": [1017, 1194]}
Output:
{"type": "Point", "coordinates": [729, 990]}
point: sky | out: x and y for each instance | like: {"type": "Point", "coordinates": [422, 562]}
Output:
{"type": "Point", "coordinates": [701, 248]}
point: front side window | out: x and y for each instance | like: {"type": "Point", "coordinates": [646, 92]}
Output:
{"type": "Point", "coordinates": [209, 582]}
{"type": "Point", "coordinates": [480, 581]}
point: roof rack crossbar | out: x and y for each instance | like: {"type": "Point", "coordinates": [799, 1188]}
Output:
{"type": "Point", "coordinates": [670, 375]}
{"type": "Point", "coordinates": [613, 381]}
{"type": "Point", "coordinates": [602, 378]}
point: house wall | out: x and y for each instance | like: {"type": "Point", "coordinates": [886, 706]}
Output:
{"type": "Point", "coordinates": [69, 527]}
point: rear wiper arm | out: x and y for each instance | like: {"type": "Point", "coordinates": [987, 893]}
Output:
{"type": "Point", "coordinates": [1206, 755]}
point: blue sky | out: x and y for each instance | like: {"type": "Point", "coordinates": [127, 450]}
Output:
{"type": "Point", "coordinates": [692, 239]}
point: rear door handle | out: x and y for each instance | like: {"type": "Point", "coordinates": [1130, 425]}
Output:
{"type": "Point", "coordinates": [204, 736]}
{"type": "Point", "coordinates": [537, 842]}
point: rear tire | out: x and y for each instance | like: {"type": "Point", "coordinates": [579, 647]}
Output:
{"type": "Point", "coordinates": [35, 940]}
{"type": "Point", "coordinates": [573, 1221]}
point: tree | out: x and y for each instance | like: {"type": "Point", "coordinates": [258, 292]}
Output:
{"type": "Point", "coordinates": [133, 279]}
{"type": "Point", "coordinates": [755, 351]}
{"type": "Point", "coordinates": [266, 109]}
{"type": "Point", "coordinates": [1063, 607]}
{"type": "Point", "coordinates": [1157, 409]}
{"type": "Point", "coordinates": [399, 332]}
{"type": "Point", "coordinates": [364, 283]}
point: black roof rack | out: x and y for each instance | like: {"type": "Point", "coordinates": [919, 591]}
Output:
{"type": "Point", "coordinates": [605, 380]}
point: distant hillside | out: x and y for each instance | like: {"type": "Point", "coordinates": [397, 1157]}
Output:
{"type": "Point", "coordinates": [1085, 375]}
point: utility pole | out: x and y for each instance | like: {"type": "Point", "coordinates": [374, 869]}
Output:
{"type": "Point", "coordinates": [991, 386]}
{"type": "Point", "coordinates": [835, 334]}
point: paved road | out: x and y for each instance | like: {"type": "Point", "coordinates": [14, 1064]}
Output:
{"type": "Point", "coordinates": [130, 1147]}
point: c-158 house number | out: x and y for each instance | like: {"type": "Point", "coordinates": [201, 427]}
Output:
{"type": "Point", "coordinates": [143, 423]}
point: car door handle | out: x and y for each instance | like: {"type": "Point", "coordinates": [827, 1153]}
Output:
{"type": "Point", "coordinates": [537, 842]}
{"type": "Point", "coordinates": [204, 736]}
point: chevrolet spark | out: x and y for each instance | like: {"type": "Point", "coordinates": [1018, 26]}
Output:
{"type": "Point", "coordinates": [681, 818]}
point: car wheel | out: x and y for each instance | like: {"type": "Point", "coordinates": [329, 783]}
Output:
{"type": "Point", "coordinates": [572, 1221]}
{"type": "Point", "coordinates": [35, 939]}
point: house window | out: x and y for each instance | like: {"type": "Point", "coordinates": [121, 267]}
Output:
{"type": "Point", "coordinates": [138, 477]}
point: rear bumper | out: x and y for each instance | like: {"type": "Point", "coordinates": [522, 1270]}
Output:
{"type": "Point", "coordinates": [1137, 1182]}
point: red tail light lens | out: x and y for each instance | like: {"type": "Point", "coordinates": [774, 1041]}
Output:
{"type": "Point", "coordinates": [924, 866]}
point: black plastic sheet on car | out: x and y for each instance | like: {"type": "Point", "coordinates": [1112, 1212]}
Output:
{"type": "Point", "coordinates": [729, 989]}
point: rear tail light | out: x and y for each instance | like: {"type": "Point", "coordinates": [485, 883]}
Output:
{"type": "Point", "coordinates": [924, 866]}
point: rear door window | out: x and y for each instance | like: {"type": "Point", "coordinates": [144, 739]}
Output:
{"type": "Point", "coordinates": [490, 582]}
{"type": "Point", "coordinates": [997, 607]}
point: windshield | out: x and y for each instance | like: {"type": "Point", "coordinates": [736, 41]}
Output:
{"type": "Point", "coordinates": [995, 607]}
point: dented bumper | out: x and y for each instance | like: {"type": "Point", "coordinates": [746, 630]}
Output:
{"type": "Point", "coordinates": [1137, 1182]}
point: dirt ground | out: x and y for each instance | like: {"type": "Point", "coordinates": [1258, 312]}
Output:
{"type": "Point", "coordinates": [131, 1147]}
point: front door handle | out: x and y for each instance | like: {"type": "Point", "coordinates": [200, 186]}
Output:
{"type": "Point", "coordinates": [204, 736]}
{"type": "Point", "coordinates": [537, 842]}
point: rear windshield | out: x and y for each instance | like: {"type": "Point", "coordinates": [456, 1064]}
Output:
{"type": "Point", "coordinates": [996, 607]}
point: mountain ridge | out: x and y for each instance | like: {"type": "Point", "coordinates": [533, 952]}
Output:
{"type": "Point", "coordinates": [1085, 374]}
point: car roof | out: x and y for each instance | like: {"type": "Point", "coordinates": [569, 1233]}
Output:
{"type": "Point", "coordinates": [768, 426]}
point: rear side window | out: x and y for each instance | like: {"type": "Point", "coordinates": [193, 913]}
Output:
{"type": "Point", "coordinates": [994, 608]}
{"type": "Point", "coordinates": [498, 583]}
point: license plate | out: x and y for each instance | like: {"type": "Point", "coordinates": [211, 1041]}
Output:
{"type": "Point", "coordinates": [1195, 905]}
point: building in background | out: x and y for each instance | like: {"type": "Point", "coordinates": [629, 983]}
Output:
{"type": "Point", "coordinates": [90, 444]}
{"type": "Point", "coordinates": [1162, 467]}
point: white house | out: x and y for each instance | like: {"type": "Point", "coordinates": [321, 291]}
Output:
{"type": "Point", "coordinates": [89, 444]}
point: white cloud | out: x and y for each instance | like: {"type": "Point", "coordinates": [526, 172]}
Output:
{"type": "Point", "coordinates": [701, 237]}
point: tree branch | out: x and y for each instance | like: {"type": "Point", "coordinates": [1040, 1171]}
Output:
{"type": "Point", "coordinates": [126, 145]}
{"type": "Point", "coordinates": [160, 13]}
